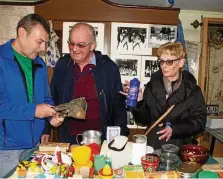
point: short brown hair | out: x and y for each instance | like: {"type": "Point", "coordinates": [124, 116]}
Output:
{"type": "Point", "coordinates": [174, 49]}
{"type": "Point", "coordinates": [31, 20]}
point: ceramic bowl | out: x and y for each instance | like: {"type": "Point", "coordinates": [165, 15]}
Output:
{"type": "Point", "coordinates": [150, 162]}
{"type": "Point", "coordinates": [193, 153]}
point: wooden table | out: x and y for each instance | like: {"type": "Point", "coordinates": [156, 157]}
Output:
{"type": "Point", "coordinates": [211, 160]}
{"type": "Point", "coordinates": [216, 134]}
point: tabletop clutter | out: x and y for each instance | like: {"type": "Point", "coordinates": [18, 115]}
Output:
{"type": "Point", "coordinates": [117, 159]}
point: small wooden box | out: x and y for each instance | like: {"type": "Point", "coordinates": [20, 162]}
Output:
{"type": "Point", "coordinates": [51, 146]}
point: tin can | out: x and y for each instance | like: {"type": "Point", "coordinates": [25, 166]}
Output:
{"type": "Point", "coordinates": [189, 170]}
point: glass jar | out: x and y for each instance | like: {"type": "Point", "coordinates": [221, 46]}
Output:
{"type": "Point", "coordinates": [139, 144]}
{"type": "Point", "coordinates": [170, 148]}
{"type": "Point", "coordinates": [168, 161]}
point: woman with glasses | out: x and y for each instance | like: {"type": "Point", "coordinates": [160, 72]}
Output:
{"type": "Point", "coordinates": [171, 85]}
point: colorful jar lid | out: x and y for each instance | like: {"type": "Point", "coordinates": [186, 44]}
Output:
{"type": "Point", "coordinates": [208, 174]}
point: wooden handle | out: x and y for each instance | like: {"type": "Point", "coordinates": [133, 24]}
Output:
{"type": "Point", "coordinates": [160, 119]}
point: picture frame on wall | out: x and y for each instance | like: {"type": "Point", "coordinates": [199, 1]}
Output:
{"type": "Point", "coordinates": [129, 66]}
{"type": "Point", "coordinates": [99, 30]}
{"type": "Point", "coordinates": [161, 34]}
{"type": "Point", "coordinates": [149, 66]}
{"type": "Point", "coordinates": [193, 50]}
{"type": "Point", "coordinates": [130, 38]}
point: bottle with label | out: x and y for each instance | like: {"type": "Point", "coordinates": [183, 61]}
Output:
{"type": "Point", "coordinates": [131, 101]}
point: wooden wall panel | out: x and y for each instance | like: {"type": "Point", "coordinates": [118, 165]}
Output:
{"type": "Point", "coordinates": [97, 10]}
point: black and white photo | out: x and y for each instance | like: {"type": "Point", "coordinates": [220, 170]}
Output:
{"type": "Point", "coordinates": [149, 66]}
{"type": "Point", "coordinates": [193, 50]}
{"type": "Point", "coordinates": [99, 31]}
{"type": "Point", "coordinates": [130, 39]}
{"type": "Point", "coordinates": [161, 34]}
{"type": "Point", "coordinates": [129, 66]}
{"type": "Point", "coordinates": [112, 132]}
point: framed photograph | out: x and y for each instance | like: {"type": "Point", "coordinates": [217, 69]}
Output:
{"type": "Point", "coordinates": [161, 34]}
{"type": "Point", "coordinates": [149, 66]}
{"type": "Point", "coordinates": [129, 38]}
{"type": "Point", "coordinates": [112, 132]}
{"type": "Point", "coordinates": [99, 30]}
{"type": "Point", "coordinates": [193, 50]}
{"type": "Point", "coordinates": [129, 66]}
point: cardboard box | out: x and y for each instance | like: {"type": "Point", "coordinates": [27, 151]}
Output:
{"type": "Point", "coordinates": [214, 122]}
{"type": "Point", "coordinates": [51, 146]}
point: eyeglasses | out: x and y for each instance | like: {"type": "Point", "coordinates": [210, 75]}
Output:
{"type": "Point", "coordinates": [78, 45]}
{"type": "Point", "coordinates": [168, 62]}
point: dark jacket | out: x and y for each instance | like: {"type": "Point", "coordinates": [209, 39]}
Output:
{"type": "Point", "coordinates": [188, 117]}
{"type": "Point", "coordinates": [19, 128]}
{"type": "Point", "coordinates": [108, 85]}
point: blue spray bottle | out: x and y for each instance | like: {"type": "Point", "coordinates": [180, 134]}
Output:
{"type": "Point", "coordinates": [131, 101]}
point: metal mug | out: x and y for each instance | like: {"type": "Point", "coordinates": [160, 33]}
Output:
{"type": "Point", "coordinates": [89, 137]}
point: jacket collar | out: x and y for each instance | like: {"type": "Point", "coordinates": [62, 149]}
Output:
{"type": "Point", "coordinates": [185, 89]}
{"type": "Point", "coordinates": [7, 52]}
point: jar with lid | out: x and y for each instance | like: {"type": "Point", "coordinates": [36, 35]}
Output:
{"type": "Point", "coordinates": [168, 161]}
{"type": "Point", "coordinates": [170, 148]}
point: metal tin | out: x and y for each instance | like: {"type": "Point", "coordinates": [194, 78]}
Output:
{"type": "Point", "coordinates": [189, 170]}
{"type": "Point", "coordinates": [89, 137]}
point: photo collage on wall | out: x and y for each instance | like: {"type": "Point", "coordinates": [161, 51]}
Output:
{"type": "Point", "coordinates": [131, 49]}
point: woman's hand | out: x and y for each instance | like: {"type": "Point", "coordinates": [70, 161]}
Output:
{"type": "Point", "coordinates": [126, 90]}
{"type": "Point", "coordinates": [167, 133]}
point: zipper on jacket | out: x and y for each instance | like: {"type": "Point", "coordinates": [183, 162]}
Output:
{"type": "Point", "coordinates": [99, 98]}
{"type": "Point", "coordinates": [24, 80]}
{"type": "Point", "coordinates": [26, 90]}
{"type": "Point", "coordinates": [4, 128]}
{"type": "Point", "coordinates": [102, 94]}
{"type": "Point", "coordinates": [34, 68]}
{"type": "Point", "coordinates": [99, 101]}
{"type": "Point", "coordinates": [105, 101]}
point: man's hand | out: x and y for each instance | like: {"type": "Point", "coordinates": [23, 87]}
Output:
{"type": "Point", "coordinates": [56, 120]}
{"type": "Point", "coordinates": [45, 138]}
{"type": "Point", "coordinates": [44, 110]}
{"type": "Point", "coordinates": [167, 133]}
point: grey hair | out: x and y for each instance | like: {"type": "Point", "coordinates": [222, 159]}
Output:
{"type": "Point", "coordinates": [88, 26]}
